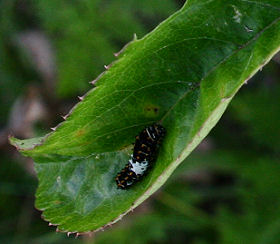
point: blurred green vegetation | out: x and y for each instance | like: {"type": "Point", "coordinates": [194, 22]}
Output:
{"type": "Point", "coordinates": [227, 191]}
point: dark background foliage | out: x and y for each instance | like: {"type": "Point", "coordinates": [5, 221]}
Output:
{"type": "Point", "coordinates": [227, 191]}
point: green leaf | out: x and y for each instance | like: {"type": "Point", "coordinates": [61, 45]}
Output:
{"type": "Point", "coordinates": [183, 74]}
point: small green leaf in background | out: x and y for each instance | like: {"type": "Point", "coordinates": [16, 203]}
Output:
{"type": "Point", "coordinates": [183, 74]}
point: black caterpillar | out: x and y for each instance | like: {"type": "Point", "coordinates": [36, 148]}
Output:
{"type": "Point", "coordinates": [144, 153]}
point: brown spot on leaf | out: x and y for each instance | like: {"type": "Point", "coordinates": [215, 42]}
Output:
{"type": "Point", "coordinates": [151, 110]}
{"type": "Point", "coordinates": [80, 132]}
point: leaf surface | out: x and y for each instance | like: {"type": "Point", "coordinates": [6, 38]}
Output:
{"type": "Point", "coordinates": [183, 75]}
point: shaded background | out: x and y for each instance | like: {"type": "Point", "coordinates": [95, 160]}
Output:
{"type": "Point", "coordinates": [227, 191]}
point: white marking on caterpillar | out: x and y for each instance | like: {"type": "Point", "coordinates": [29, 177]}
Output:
{"type": "Point", "coordinates": [138, 168]}
{"type": "Point", "coordinates": [149, 134]}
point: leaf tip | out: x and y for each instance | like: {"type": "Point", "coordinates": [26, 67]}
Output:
{"type": "Point", "coordinates": [81, 98]}
{"type": "Point", "coordinates": [135, 38]}
{"type": "Point", "coordinates": [11, 139]}
{"type": "Point", "coordinates": [93, 82]}
{"type": "Point", "coordinates": [107, 66]}
{"type": "Point", "coordinates": [69, 233]}
{"type": "Point", "coordinates": [14, 142]}
{"type": "Point", "coordinates": [65, 116]}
